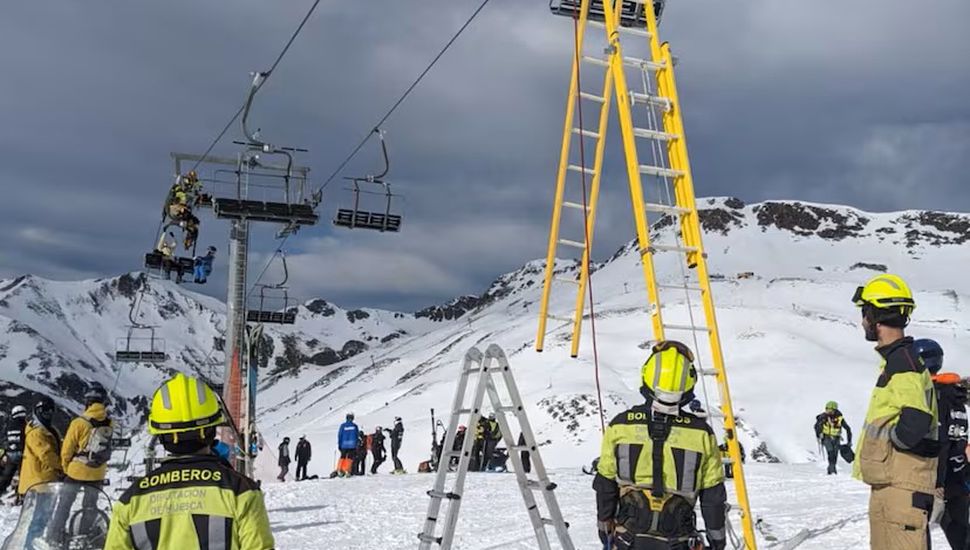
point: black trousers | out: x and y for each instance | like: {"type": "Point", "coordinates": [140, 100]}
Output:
{"type": "Point", "coordinates": [831, 446]}
{"type": "Point", "coordinates": [645, 543]}
{"type": "Point", "coordinates": [360, 463]}
{"type": "Point", "coordinates": [301, 469]}
{"type": "Point", "coordinates": [379, 459]}
{"type": "Point", "coordinates": [488, 452]}
{"type": "Point", "coordinates": [395, 447]}
{"type": "Point", "coordinates": [7, 474]}
{"type": "Point", "coordinates": [476, 459]}
{"type": "Point", "coordinates": [955, 522]}
{"type": "Point", "coordinates": [57, 528]}
{"type": "Point", "coordinates": [526, 462]}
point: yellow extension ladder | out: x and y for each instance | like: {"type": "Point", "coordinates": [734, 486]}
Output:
{"type": "Point", "coordinates": [654, 148]}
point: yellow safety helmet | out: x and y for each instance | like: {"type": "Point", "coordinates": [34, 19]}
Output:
{"type": "Point", "coordinates": [182, 405]}
{"type": "Point", "coordinates": [886, 292]}
{"type": "Point", "coordinates": [669, 376]}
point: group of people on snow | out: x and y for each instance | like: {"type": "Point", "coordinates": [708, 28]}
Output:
{"type": "Point", "coordinates": [36, 453]}
{"type": "Point", "coordinates": [660, 458]}
{"type": "Point", "coordinates": [184, 195]}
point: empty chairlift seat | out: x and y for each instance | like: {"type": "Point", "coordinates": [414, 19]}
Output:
{"type": "Point", "coordinates": [363, 219]}
{"type": "Point", "coordinates": [272, 212]}
{"type": "Point", "coordinates": [140, 346]}
{"type": "Point", "coordinates": [632, 14]}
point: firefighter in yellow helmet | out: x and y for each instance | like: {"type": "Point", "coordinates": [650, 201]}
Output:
{"type": "Point", "coordinates": [193, 499]}
{"type": "Point", "coordinates": [897, 450]}
{"type": "Point", "coordinates": [657, 460]}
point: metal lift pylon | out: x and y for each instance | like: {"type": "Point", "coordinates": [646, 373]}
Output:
{"type": "Point", "coordinates": [657, 134]}
{"type": "Point", "coordinates": [489, 366]}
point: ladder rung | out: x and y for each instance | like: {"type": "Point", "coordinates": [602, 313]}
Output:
{"type": "Point", "coordinates": [586, 133]}
{"type": "Point", "coordinates": [576, 205]}
{"type": "Point", "coordinates": [465, 411]}
{"type": "Point", "coordinates": [429, 538]}
{"type": "Point", "coordinates": [655, 100]}
{"type": "Point", "coordinates": [575, 244]}
{"type": "Point", "coordinates": [665, 209]}
{"type": "Point", "coordinates": [514, 448]}
{"type": "Point", "coordinates": [689, 328]}
{"type": "Point", "coordinates": [667, 248]}
{"type": "Point", "coordinates": [681, 287]}
{"type": "Point", "coordinates": [547, 521]}
{"type": "Point", "coordinates": [596, 60]}
{"type": "Point", "coordinates": [653, 134]}
{"type": "Point", "coordinates": [442, 494]}
{"type": "Point", "coordinates": [539, 486]}
{"type": "Point", "coordinates": [567, 280]}
{"type": "Point", "coordinates": [575, 168]}
{"type": "Point", "coordinates": [506, 408]}
{"type": "Point", "coordinates": [661, 172]}
{"type": "Point", "coordinates": [592, 97]}
{"type": "Point", "coordinates": [560, 318]}
{"type": "Point", "coordinates": [709, 372]}
{"type": "Point", "coordinates": [642, 63]}
{"type": "Point", "coordinates": [624, 30]}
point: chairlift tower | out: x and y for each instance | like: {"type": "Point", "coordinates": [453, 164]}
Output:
{"type": "Point", "coordinates": [250, 190]}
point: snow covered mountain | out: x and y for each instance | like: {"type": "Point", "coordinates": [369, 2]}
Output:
{"type": "Point", "coordinates": [783, 275]}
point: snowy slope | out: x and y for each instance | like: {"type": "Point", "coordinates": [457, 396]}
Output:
{"type": "Point", "coordinates": [790, 335]}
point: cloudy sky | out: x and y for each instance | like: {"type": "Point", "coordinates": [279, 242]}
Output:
{"type": "Point", "coordinates": [863, 103]}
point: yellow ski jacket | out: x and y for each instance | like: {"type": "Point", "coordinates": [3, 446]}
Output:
{"type": "Point", "coordinates": [40, 463]}
{"type": "Point", "coordinates": [77, 440]}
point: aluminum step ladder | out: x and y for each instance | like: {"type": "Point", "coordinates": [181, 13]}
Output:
{"type": "Point", "coordinates": [637, 73]}
{"type": "Point", "coordinates": [493, 372]}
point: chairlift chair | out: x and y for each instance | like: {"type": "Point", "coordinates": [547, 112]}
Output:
{"type": "Point", "coordinates": [632, 13]}
{"type": "Point", "coordinates": [140, 349]}
{"type": "Point", "coordinates": [270, 293]}
{"type": "Point", "coordinates": [356, 217]}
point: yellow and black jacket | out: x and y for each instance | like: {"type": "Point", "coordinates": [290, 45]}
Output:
{"type": "Point", "coordinates": [191, 502]}
{"type": "Point", "coordinates": [79, 460]}
{"type": "Point", "coordinates": [691, 467]}
{"type": "Point", "coordinates": [899, 442]}
{"type": "Point", "coordinates": [40, 463]}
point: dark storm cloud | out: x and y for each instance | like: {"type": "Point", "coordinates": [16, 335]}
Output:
{"type": "Point", "coordinates": [861, 104]}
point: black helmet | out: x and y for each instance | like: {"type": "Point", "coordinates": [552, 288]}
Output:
{"type": "Point", "coordinates": [95, 394]}
{"type": "Point", "coordinates": [44, 409]}
{"type": "Point", "coordinates": [286, 440]}
{"type": "Point", "coordinates": [350, 417]}
{"type": "Point", "coordinates": [931, 353]}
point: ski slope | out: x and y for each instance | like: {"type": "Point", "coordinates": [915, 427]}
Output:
{"type": "Point", "coordinates": [798, 507]}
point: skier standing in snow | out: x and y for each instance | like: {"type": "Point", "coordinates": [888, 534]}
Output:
{"type": "Point", "coordinates": [476, 460]}
{"type": "Point", "coordinates": [284, 459]}
{"type": "Point", "coordinates": [492, 435]}
{"type": "Point", "coordinates": [193, 499]}
{"type": "Point", "coordinates": [360, 455]}
{"type": "Point", "coordinates": [654, 443]}
{"type": "Point", "coordinates": [898, 448]}
{"type": "Point", "coordinates": [377, 449]}
{"type": "Point", "coordinates": [397, 436]}
{"type": "Point", "coordinates": [524, 455]}
{"type": "Point", "coordinates": [13, 446]}
{"type": "Point", "coordinates": [84, 460]}
{"type": "Point", "coordinates": [952, 471]}
{"type": "Point", "coordinates": [828, 432]}
{"type": "Point", "coordinates": [347, 445]}
{"type": "Point", "coordinates": [303, 452]}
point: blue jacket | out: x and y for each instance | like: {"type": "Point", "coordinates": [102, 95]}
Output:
{"type": "Point", "coordinates": [347, 436]}
{"type": "Point", "coordinates": [205, 262]}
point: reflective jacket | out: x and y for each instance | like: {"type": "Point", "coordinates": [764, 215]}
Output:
{"type": "Point", "coordinates": [40, 463]}
{"type": "Point", "coordinates": [899, 441]}
{"type": "Point", "coordinates": [692, 467]}
{"type": "Point", "coordinates": [191, 502]}
{"type": "Point", "coordinates": [13, 444]}
{"type": "Point", "coordinates": [79, 459]}
{"type": "Point", "coordinates": [952, 471]}
{"type": "Point", "coordinates": [831, 425]}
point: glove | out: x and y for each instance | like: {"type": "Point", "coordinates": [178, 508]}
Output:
{"type": "Point", "coordinates": [938, 506]}
{"type": "Point", "coordinates": [606, 529]}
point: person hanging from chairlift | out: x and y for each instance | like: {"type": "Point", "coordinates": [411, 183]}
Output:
{"type": "Point", "coordinates": [167, 246]}
{"type": "Point", "coordinates": [203, 266]}
{"type": "Point", "coordinates": [191, 228]}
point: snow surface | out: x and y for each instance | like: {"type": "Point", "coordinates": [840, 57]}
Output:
{"type": "Point", "coordinates": [387, 512]}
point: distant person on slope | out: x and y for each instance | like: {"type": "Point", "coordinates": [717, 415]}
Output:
{"type": "Point", "coordinates": [898, 448]}
{"type": "Point", "coordinates": [84, 459]}
{"type": "Point", "coordinates": [656, 461]}
{"type": "Point", "coordinates": [397, 436]}
{"type": "Point", "coordinates": [828, 432]}
{"type": "Point", "coordinates": [13, 446]}
{"type": "Point", "coordinates": [360, 455]}
{"type": "Point", "coordinates": [303, 452]}
{"type": "Point", "coordinates": [478, 444]}
{"type": "Point", "coordinates": [952, 471]}
{"type": "Point", "coordinates": [284, 459]}
{"type": "Point", "coordinates": [193, 499]}
{"type": "Point", "coordinates": [347, 444]}
{"type": "Point", "coordinates": [377, 449]}
{"type": "Point", "coordinates": [492, 437]}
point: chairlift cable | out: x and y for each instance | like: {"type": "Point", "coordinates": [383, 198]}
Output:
{"type": "Point", "coordinates": [387, 115]}
{"type": "Point", "coordinates": [267, 74]}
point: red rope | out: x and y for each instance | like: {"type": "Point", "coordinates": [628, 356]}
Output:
{"type": "Point", "coordinates": [588, 250]}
